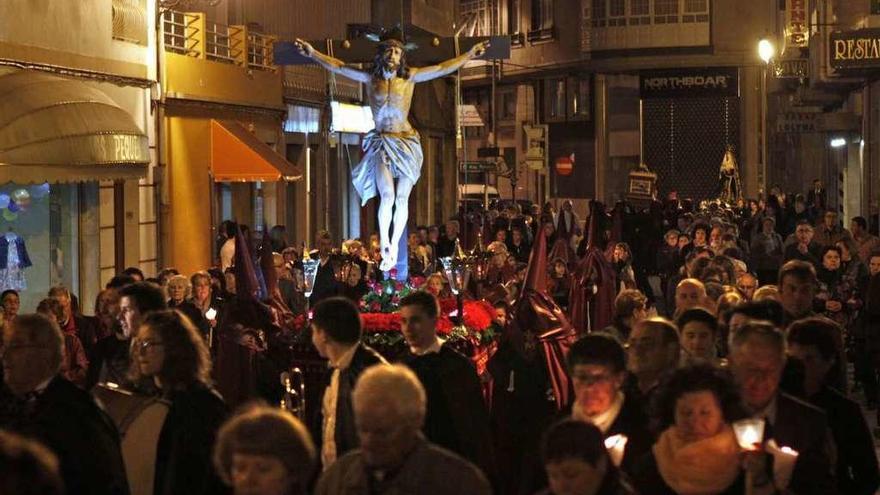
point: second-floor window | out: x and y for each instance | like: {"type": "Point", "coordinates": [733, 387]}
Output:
{"type": "Point", "coordinates": [618, 13]}
{"type": "Point", "coordinates": [542, 15]}
{"type": "Point", "coordinates": [514, 14]}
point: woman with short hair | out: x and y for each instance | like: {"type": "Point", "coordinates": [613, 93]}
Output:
{"type": "Point", "coordinates": [265, 450]}
{"type": "Point", "coordinates": [697, 451]}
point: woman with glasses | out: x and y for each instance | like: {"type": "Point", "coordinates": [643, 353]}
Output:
{"type": "Point", "coordinates": [169, 351]}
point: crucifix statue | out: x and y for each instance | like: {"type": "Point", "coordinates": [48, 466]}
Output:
{"type": "Point", "coordinates": [392, 159]}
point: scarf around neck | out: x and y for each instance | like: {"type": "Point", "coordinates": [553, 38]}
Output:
{"type": "Point", "coordinates": [704, 467]}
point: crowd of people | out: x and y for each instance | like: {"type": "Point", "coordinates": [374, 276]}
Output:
{"type": "Point", "coordinates": [673, 323]}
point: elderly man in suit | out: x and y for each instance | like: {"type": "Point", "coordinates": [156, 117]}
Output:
{"type": "Point", "coordinates": [757, 359]}
{"type": "Point", "coordinates": [57, 413]}
{"type": "Point", "coordinates": [394, 456]}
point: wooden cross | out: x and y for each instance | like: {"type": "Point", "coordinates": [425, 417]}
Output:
{"type": "Point", "coordinates": [429, 50]}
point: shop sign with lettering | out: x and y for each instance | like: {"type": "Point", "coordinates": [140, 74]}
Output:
{"type": "Point", "coordinates": [689, 83]}
{"type": "Point", "coordinates": [796, 32]}
{"type": "Point", "coordinates": [794, 68]}
{"type": "Point", "coordinates": [796, 122]}
{"type": "Point", "coordinates": [855, 49]}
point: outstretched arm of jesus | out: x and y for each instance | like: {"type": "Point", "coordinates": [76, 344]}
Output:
{"type": "Point", "coordinates": [448, 67]}
{"type": "Point", "coordinates": [332, 64]}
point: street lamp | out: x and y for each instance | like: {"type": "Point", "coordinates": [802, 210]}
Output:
{"type": "Point", "coordinates": [766, 51]}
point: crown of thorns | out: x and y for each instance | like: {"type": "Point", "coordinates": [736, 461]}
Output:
{"type": "Point", "coordinates": [392, 37]}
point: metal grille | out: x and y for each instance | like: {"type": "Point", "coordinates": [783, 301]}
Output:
{"type": "Point", "coordinates": [685, 140]}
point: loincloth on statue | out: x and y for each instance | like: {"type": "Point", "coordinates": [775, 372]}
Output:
{"type": "Point", "coordinates": [401, 153]}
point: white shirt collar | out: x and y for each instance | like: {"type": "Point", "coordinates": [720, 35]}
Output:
{"type": "Point", "coordinates": [604, 420]}
{"type": "Point", "coordinates": [432, 349]}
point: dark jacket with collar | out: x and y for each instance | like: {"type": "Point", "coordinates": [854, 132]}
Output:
{"type": "Point", "coordinates": [857, 471]}
{"type": "Point", "coordinates": [68, 421]}
{"type": "Point", "coordinates": [183, 456]}
{"type": "Point", "coordinates": [427, 470]}
{"type": "Point", "coordinates": [804, 428]}
{"type": "Point", "coordinates": [345, 433]}
{"type": "Point", "coordinates": [456, 417]}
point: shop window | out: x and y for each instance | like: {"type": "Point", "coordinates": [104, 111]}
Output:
{"type": "Point", "coordinates": [39, 227]}
{"type": "Point", "coordinates": [542, 21]}
{"type": "Point", "coordinates": [600, 13]}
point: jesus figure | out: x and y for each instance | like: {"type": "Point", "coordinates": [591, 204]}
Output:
{"type": "Point", "coordinates": [392, 150]}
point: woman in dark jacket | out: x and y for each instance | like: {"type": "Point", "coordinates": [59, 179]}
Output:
{"type": "Point", "coordinates": [169, 350]}
{"type": "Point", "coordinates": [578, 463]}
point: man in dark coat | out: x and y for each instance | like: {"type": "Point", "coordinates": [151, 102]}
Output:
{"type": "Point", "coordinates": [456, 418]}
{"type": "Point", "coordinates": [57, 413]}
{"type": "Point", "coordinates": [814, 342]}
{"type": "Point", "coordinates": [757, 359]}
{"type": "Point", "coordinates": [336, 334]}
{"type": "Point", "coordinates": [325, 284]}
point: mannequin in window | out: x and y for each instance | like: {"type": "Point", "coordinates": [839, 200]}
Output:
{"type": "Point", "coordinates": [13, 260]}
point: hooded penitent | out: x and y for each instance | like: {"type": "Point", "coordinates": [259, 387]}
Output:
{"type": "Point", "coordinates": [594, 282]}
{"type": "Point", "coordinates": [539, 329]}
{"type": "Point", "coordinates": [241, 339]}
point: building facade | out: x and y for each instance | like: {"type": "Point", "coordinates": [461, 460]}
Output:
{"type": "Point", "coordinates": [78, 143]}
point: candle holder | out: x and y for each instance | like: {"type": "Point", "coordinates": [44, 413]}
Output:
{"type": "Point", "coordinates": [749, 433]}
{"type": "Point", "coordinates": [616, 446]}
{"type": "Point", "coordinates": [457, 269]}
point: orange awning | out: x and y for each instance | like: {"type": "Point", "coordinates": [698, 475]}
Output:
{"type": "Point", "coordinates": [239, 156]}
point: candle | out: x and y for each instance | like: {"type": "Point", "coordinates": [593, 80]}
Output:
{"type": "Point", "coordinates": [784, 459]}
{"type": "Point", "coordinates": [616, 445]}
{"type": "Point", "coordinates": [749, 433]}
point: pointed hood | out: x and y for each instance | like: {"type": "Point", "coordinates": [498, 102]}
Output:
{"type": "Point", "coordinates": [536, 276]}
{"type": "Point", "coordinates": [246, 284]}
{"type": "Point", "coordinates": [594, 224]}
{"type": "Point", "coordinates": [267, 264]}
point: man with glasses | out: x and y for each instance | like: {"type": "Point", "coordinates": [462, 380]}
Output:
{"type": "Point", "coordinates": [801, 246]}
{"type": "Point", "coordinates": [597, 366]}
{"type": "Point", "coordinates": [757, 359]}
{"type": "Point", "coordinates": [112, 353]}
{"type": "Point", "coordinates": [55, 412]}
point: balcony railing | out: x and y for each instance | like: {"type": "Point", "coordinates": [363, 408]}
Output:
{"type": "Point", "coordinates": [189, 33]}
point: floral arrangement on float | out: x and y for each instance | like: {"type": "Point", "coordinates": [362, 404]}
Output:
{"type": "Point", "coordinates": [473, 334]}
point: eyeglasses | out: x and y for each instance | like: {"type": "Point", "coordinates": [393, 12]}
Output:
{"type": "Point", "coordinates": [144, 345]}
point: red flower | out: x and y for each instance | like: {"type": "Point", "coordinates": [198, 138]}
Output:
{"type": "Point", "coordinates": [478, 315]}
{"type": "Point", "coordinates": [447, 305]}
{"type": "Point", "coordinates": [375, 306]}
{"type": "Point", "coordinates": [444, 325]}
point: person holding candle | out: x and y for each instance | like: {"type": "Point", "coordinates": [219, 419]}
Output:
{"type": "Point", "coordinates": [697, 451]}
{"type": "Point", "coordinates": [757, 359]}
{"type": "Point", "coordinates": [578, 463]}
{"type": "Point", "coordinates": [596, 363]}
{"type": "Point", "coordinates": [814, 342]}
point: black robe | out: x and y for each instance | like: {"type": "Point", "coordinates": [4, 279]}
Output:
{"type": "Point", "coordinates": [186, 442]}
{"type": "Point", "coordinates": [457, 418]}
